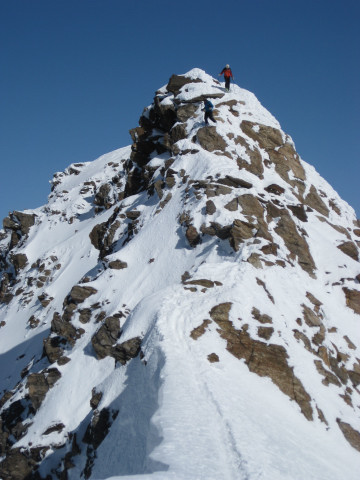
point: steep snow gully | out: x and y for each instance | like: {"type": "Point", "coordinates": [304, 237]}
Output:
{"type": "Point", "coordinates": [184, 308]}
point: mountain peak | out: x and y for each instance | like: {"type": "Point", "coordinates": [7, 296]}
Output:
{"type": "Point", "coordinates": [185, 307]}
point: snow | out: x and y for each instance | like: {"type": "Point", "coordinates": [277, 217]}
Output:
{"type": "Point", "coordinates": [180, 416]}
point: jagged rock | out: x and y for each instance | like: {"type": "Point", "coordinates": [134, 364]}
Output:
{"type": "Point", "coordinates": [65, 329]}
{"type": "Point", "coordinates": [57, 427]}
{"type": "Point", "coordinates": [40, 383]}
{"type": "Point", "coordinates": [102, 197]}
{"type": "Point", "coordinates": [95, 398]}
{"type": "Point", "coordinates": [274, 188]}
{"type": "Point", "coordinates": [85, 315]}
{"type": "Point", "coordinates": [5, 295]}
{"type": "Point", "coordinates": [351, 435]}
{"type": "Point", "coordinates": [265, 332]}
{"type": "Point", "coordinates": [232, 206]}
{"type": "Point", "coordinates": [125, 351]}
{"type": "Point", "coordinates": [352, 299]}
{"type": "Point", "coordinates": [210, 207]}
{"type": "Point", "coordinates": [295, 243]}
{"type": "Point", "coordinates": [192, 236]}
{"type": "Point", "coordinates": [53, 349]}
{"type": "Point", "coordinates": [210, 140]}
{"type": "Point", "coordinates": [200, 330]}
{"type": "Point", "coordinates": [117, 265]}
{"type": "Point", "coordinates": [19, 260]}
{"type": "Point", "coordinates": [203, 282]}
{"type": "Point", "coordinates": [213, 358]}
{"type": "Point", "coordinates": [176, 83]}
{"type": "Point", "coordinates": [350, 249]}
{"type": "Point", "coordinates": [314, 201]}
{"type": "Point", "coordinates": [18, 465]}
{"type": "Point", "coordinates": [133, 214]}
{"type": "Point", "coordinates": [178, 132]}
{"type": "Point", "coordinates": [79, 294]}
{"type": "Point", "coordinates": [184, 112]}
{"type": "Point", "coordinates": [299, 212]}
{"type": "Point", "coordinates": [262, 318]}
{"type": "Point", "coordinates": [239, 232]}
{"type": "Point", "coordinates": [264, 359]}
{"type": "Point", "coordinates": [107, 335]}
{"type": "Point", "coordinates": [234, 182]}
{"type": "Point", "coordinates": [102, 235]}
{"type": "Point", "coordinates": [268, 137]}
{"type": "Point", "coordinates": [44, 299]}
{"type": "Point", "coordinates": [310, 317]}
{"type": "Point", "coordinates": [19, 221]}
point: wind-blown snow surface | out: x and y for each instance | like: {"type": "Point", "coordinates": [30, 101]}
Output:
{"type": "Point", "coordinates": [179, 415]}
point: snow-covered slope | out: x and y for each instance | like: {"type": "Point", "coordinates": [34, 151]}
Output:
{"type": "Point", "coordinates": [187, 308]}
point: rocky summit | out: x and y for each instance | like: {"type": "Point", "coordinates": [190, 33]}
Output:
{"type": "Point", "coordinates": [187, 307]}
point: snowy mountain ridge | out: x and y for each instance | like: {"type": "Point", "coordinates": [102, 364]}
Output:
{"type": "Point", "coordinates": [186, 307]}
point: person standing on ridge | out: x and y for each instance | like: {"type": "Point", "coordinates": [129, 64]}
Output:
{"type": "Point", "coordinates": [227, 75]}
{"type": "Point", "coordinates": [208, 108]}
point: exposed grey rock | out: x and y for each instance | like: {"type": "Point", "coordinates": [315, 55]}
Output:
{"type": "Point", "coordinates": [210, 207]}
{"type": "Point", "coordinates": [192, 236]}
{"type": "Point", "coordinates": [125, 351]}
{"type": "Point", "coordinates": [79, 293]}
{"type": "Point", "coordinates": [19, 260]}
{"type": "Point", "coordinates": [176, 83]}
{"type": "Point", "coordinates": [40, 383]}
{"type": "Point", "coordinates": [350, 249]}
{"type": "Point", "coordinates": [352, 299]}
{"type": "Point", "coordinates": [314, 201]}
{"type": "Point", "coordinates": [210, 140]}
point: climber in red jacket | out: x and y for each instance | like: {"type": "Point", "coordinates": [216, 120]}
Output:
{"type": "Point", "coordinates": [227, 75]}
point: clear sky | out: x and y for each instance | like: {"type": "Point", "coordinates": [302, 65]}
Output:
{"type": "Point", "coordinates": [75, 76]}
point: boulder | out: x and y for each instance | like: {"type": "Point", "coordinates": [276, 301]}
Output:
{"type": "Point", "coordinates": [210, 207]}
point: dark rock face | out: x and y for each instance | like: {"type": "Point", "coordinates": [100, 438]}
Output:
{"type": "Point", "coordinates": [210, 140]}
{"type": "Point", "coordinates": [264, 359]}
{"type": "Point", "coordinates": [106, 337]}
{"type": "Point", "coordinates": [40, 383]}
{"type": "Point", "coordinates": [192, 236]}
{"type": "Point", "coordinates": [176, 83]}
{"type": "Point", "coordinates": [19, 260]}
{"type": "Point", "coordinates": [19, 221]}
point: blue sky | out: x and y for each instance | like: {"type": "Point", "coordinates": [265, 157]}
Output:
{"type": "Point", "coordinates": [75, 76]}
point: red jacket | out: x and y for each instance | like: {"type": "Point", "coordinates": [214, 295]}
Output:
{"type": "Point", "coordinates": [227, 72]}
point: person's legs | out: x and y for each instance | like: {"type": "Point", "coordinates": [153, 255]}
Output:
{"type": "Point", "coordinates": [207, 115]}
{"type": "Point", "coordinates": [212, 117]}
{"type": "Point", "coordinates": [227, 83]}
